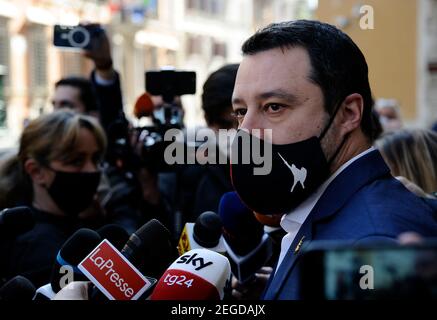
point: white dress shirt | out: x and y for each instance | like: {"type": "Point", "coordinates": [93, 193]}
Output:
{"type": "Point", "coordinates": [294, 220]}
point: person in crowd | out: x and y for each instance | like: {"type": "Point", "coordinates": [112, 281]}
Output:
{"type": "Point", "coordinates": [129, 195]}
{"type": "Point", "coordinates": [412, 154]}
{"type": "Point", "coordinates": [100, 95]}
{"type": "Point", "coordinates": [56, 173]}
{"type": "Point", "coordinates": [192, 189]}
{"type": "Point", "coordinates": [389, 114]}
{"type": "Point", "coordinates": [75, 93]}
{"type": "Point", "coordinates": [214, 180]}
{"type": "Point", "coordinates": [217, 98]}
{"type": "Point", "coordinates": [307, 81]}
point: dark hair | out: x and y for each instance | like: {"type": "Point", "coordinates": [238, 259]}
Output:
{"type": "Point", "coordinates": [217, 93]}
{"type": "Point", "coordinates": [338, 65]}
{"type": "Point", "coordinates": [87, 94]}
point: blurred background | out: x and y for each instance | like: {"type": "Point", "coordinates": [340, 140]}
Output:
{"type": "Point", "coordinates": [202, 35]}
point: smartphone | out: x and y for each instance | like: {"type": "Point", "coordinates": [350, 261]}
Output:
{"type": "Point", "coordinates": [80, 37]}
{"type": "Point", "coordinates": [341, 272]}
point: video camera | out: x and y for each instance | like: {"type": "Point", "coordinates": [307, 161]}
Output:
{"type": "Point", "coordinates": [150, 145]}
{"type": "Point", "coordinates": [169, 84]}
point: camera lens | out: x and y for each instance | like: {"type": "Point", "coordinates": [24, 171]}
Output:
{"type": "Point", "coordinates": [79, 37]}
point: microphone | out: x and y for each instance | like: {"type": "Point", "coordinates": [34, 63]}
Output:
{"type": "Point", "coordinates": [144, 106]}
{"type": "Point", "coordinates": [206, 232]}
{"type": "Point", "coordinates": [72, 252]}
{"type": "Point", "coordinates": [15, 221]}
{"type": "Point", "coordinates": [248, 247]}
{"type": "Point", "coordinates": [149, 249]}
{"type": "Point", "coordinates": [115, 234]}
{"type": "Point", "coordinates": [199, 274]}
{"type": "Point", "coordinates": [18, 288]}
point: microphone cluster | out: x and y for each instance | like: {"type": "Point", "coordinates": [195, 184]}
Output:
{"type": "Point", "coordinates": [145, 265]}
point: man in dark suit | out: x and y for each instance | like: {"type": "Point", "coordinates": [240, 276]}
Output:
{"type": "Point", "coordinates": [308, 82]}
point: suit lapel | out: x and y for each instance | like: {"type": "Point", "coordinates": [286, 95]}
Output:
{"type": "Point", "coordinates": [361, 172]}
{"type": "Point", "coordinates": [358, 174]}
{"type": "Point", "coordinates": [302, 239]}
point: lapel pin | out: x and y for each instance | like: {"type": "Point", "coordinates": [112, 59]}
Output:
{"type": "Point", "coordinates": [296, 250]}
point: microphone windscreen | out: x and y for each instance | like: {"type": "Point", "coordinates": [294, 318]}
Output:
{"type": "Point", "coordinates": [241, 230]}
{"type": "Point", "coordinates": [207, 229]}
{"type": "Point", "coordinates": [143, 106]}
{"type": "Point", "coordinates": [115, 234]}
{"type": "Point", "coordinates": [15, 221]}
{"type": "Point", "coordinates": [150, 249]}
{"type": "Point", "coordinates": [199, 274]}
{"type": "Point", "coordinates": [79, 245]}
{"type": "Point", "coordinates": [18, 288]}
{"type": "Point", "coordinates": [72, 252]}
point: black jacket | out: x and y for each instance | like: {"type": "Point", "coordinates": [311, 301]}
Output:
{"type": "Point", "coordinates": [33, 253]}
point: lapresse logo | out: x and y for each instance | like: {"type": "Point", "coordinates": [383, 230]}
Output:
{"type": "Point", "coordinates": [113, 274]}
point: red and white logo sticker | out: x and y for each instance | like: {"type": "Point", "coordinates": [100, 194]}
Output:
{"type": "Point", "coordinates": [113, 274]}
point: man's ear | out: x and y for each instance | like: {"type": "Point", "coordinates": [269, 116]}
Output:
{"type": "Point", "coordinates": [35, 171]}
{"type": "Point", "coordinates": [351, 112]}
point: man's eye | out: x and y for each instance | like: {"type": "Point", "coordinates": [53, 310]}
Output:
{"type": "Point", "coordinates": [273, 107]}
{"type": "Point", "coordinates": [239, 113]}
{"type": "Point", "coordinates": [63, 104]}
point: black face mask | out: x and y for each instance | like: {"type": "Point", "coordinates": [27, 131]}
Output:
{"type": "Point", "coordinates": [297, 170]}
{"type": "Point", "coordinates": [73, 192]}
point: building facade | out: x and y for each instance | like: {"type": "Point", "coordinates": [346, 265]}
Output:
{"type": "Point", "coordinates": [198, 35]}
{"type": "Point", "coordinates": [29, 63]}
{"type": "Point", "coordinates": [401, 49]}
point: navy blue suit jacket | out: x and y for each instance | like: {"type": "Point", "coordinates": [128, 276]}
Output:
{"type": "Point", "coordinates": [364, 203]}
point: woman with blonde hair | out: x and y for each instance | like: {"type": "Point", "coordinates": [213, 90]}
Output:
{"type": "Point", "coordinates": [412, 154]}
{"type": "Point", "coordinates": [56, 173]}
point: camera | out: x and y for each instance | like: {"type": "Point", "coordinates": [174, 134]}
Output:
{"type": "Point", "coordinates": [169, 84]}
{"type": "Point", "coordinates": [75, 36]}
{"type": "Point", "coordinates": [150, 144]}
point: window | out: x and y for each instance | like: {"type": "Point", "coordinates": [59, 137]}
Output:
{"type": "Point", "coordinates": [37, 51]}
{"type": "Point", "coordinates": [4, 66]}
{"type": "Point", "coordinates": [71, 64]}
{"type": "Point", "coordinates": [219, 49]}
{"type": "Point", "coordinates": [191, 4]}
{"type": "Point", "coordinates": [194, 44]}
{"type": "Point", "coordinates": [37, 67]}
{"type": "Point", "coordinates": [150, 58]}
{"type": "Point", "coordinates": [170, 58]}
{"type": "Point", "coordinates": [2, 103]}
{"type": "Point", "coordinates": [4, 49]}
{"type": "Point", "coordinates": [214, 8]}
